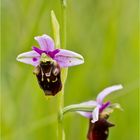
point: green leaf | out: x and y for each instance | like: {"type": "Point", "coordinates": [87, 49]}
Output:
{"type": "Point", "coordinates": [56, 29]}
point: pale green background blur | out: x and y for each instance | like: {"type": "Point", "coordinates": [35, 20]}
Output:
{"type": "Point", "coordinates": [105, 32]}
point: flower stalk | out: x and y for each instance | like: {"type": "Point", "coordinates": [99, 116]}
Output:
{"type": "Point", "coordinates": [61, 133]}
{"type": "Point", "coordinates": [60, 97]}
{"type": "Point", "coordinates": [63, 23]}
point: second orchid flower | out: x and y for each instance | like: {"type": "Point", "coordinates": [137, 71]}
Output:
{"type": "Point", "coordinates": [97, 112]}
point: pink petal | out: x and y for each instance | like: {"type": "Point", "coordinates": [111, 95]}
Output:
{"type": "Point", "coordinates": [46, 42]}
{"type": "Point", "coordinates": [90, 104]}
{"type": "Point", "coordinates": [30, 57]}
{"type": "Point", "coordinates": [95, 115]}
{"type": "Point", "coordinates": [66, 58]}
{"type": "Point", "coordinates": [106, 92]}
{"type": "Point", "coordinates": [85, 114]}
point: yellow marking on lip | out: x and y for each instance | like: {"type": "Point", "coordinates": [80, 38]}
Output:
{"type": "Point", "coordinates": [54, 80]}
{"type": "Point", "coordinates": [56, 71]}
{"type": "Point", "coordinates": [106, 132]}
{"type": "Point", "coordinates": [48, 80]}
{"type": "Point", "coordinates": [42, 79]}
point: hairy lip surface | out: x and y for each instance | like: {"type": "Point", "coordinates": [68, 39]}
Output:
{"type": "Point", "coordinates": [49, 78]}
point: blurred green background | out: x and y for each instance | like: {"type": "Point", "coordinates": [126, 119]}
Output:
{"type": "Point", "coordinates": [105, 32]}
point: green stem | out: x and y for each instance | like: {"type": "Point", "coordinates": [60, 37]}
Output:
{"type": "Point", "coordinates": [61, 134]}
{"type": "Point", "coordinates": [63, 24]}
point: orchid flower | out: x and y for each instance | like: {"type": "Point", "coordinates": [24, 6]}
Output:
{"type": "Point", "coordinates": [97, 112]}
{"type": "Point", "coordinates": [99, 106]}
{"type": "Point", "coordinates": [93, 109]}
{"type": "Point", "coordinates": [48, 62]}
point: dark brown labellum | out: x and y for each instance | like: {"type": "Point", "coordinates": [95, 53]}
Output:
{"type": "Point", "coordinates": [99, 130]}
{"type": "Point", "coordinates": [49, 78]}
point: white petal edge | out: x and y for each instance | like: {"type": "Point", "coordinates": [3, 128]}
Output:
{"type": "Point", "coordinates": [66, 58]}
{"type": "Point", "coordinates": [95, 115]}
{"type": "Point", "coordinates": [28, 57]}
{"type": "Point", "coordinates": [46, 42]}
{"type": "Point", "coordinates": [106, 92]}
